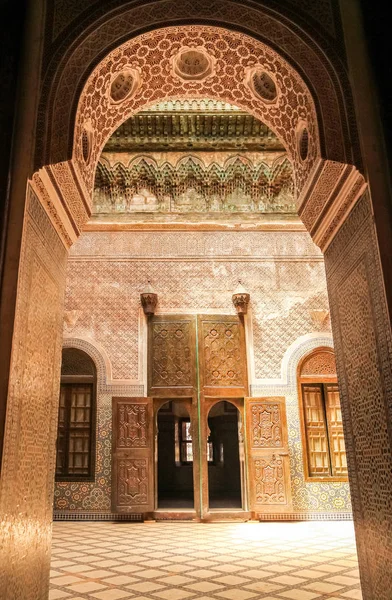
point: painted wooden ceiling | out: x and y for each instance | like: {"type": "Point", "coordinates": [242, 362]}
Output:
{"type": "Point", "coordinates": [192, 125]}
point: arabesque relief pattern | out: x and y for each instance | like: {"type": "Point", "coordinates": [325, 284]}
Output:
{"type": "Point", "coordinates": [31, 426]}
{"type": "Point", "coordinates": [67, 11]}
{"type": "Point", "coordinates": [132, 482]}
{"type": "Point", "coordinates": [150, 57]}
{"type": "Point", "coordinates": [222, 354]}
{"type": "Point", "coordinates": [132, 419]}
{"type": "Point", "coordinates": [322, 363]}
{"type": "Point", "coordinates": [171, 354]}
{"type": "Point", "coordinates": [240, 184]}
{"type": "Point", "coordinates": [362, 330]}
{"type": "Point", "coordinates": [269, 481]}
{"type": "Point", "coordinates": [266, 426]}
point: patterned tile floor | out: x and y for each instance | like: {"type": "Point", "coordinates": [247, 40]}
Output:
{"type": "Point", "coordinates": [217, 561]}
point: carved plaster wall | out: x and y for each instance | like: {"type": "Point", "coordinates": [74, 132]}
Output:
{"type": "Point", "coordinates": [363, 350]}
{"type": "Point", "coordinates": [194, 271]}
{"type": "Point", "coordinates": [197, 272]}
{"type": "Point", "coordinates": [31, 423]}
{"type": "Point", "coordinates": [205, 184]}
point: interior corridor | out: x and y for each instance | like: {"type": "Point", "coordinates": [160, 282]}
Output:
{"type": "Point", "coordinates": [232, 561]}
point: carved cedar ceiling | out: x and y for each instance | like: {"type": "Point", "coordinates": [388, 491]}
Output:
{"type": "Point", "coordinates": [199, 158]}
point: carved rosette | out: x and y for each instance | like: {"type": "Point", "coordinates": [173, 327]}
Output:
{"type": "Point", "coordinates": [241, 300]}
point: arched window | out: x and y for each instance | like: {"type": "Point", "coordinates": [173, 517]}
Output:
{"type": "Point", "coordinates": [76, 424]}
{"type": "Point", "coordinates": [321, 417]}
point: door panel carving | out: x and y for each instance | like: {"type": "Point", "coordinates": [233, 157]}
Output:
{"type": "Point", "coordinates": [266, 425]}
{"type": "Point", "coordinates": [222, 352]}
{"type": "Point", "coordinates": [181, 364]}
{"type": "Point", "coordinates": [132, 472]}
{"type": "Point", "coordinates": [132, 425]}
{"type": "Point", "coordinates": [269, 474]}
{"type": "Point", "coordinates": [132, 482]}
{"type": "Point", "coordinates": [270, 489]}
{"type": "Point", "coordinates": [172, 348]}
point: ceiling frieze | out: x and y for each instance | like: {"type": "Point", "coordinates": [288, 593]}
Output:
{"type": "Point", "coordinates": [146, 189]}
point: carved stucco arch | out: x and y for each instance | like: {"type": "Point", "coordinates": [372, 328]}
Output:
{"type": "Point", "coordinates": [302, 347]}
{"type": "Point", "coordinates": [288, 30]}
{"type": "Point", "coordinates": [327, 189]}
{"type": "Point", "coordinates": [96, 353]}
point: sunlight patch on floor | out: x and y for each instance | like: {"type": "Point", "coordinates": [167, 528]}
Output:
{"type": "Point", "coordinates": [218, 561]}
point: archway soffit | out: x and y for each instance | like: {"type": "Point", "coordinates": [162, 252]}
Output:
{"type": "Point", "coordinates": [230, 59]}
{"type": "Point", "coordinates": [285, 38]}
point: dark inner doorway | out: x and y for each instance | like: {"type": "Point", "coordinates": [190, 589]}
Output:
{"type": "Point", "coordinates": [224, 473]}
{"type": "Point", "coordinates": [175, 457]}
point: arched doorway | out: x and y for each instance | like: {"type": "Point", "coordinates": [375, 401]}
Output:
{"type": "Point", "coordinates": [355, 285]}
{"type": "Point", "coordinates": [223, 457]}
{"type": "Point", "coordinates": [175, 456]}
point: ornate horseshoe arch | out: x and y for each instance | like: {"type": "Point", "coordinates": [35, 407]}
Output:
{"type": "Point", "coordinates": [205, 62]}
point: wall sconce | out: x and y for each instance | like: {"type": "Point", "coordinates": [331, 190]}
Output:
{"type": "Point", "coordinates": [241, 299]}
{"type": "Point", "coordinates": [149, 300]}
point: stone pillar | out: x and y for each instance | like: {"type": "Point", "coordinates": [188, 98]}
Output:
{"type": "Point", "coordinates": [27, 476]}
{"type": "Point", "coordinates": [31, 307]}
{"type": "Point", "coordinates": [17, 167]}
{"type": "Point", "coordinates": [362, 339]}
{"type": "Point", "coordinates": [359, 277]}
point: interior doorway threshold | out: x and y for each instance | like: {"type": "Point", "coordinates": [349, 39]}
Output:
{"type": "Point", "coordinates": [167, 514]}
{"type": "Point", "coordinates": [227, 514]}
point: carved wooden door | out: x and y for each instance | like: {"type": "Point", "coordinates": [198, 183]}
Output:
{"type": "Point", "coordinates": [172, 356]}
{"type": "Point", "coordinates": [222, 356]}
{"type": "Point", "coordinates": [269, 465]}
{"type": "Point", "coordinates": [200, 358]}
{"type": "Point", "coordinates": [132, 456]}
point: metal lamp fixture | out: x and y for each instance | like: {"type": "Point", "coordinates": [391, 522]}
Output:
{"type": "Point", "coordinates": [241, 299]}
{"type": "Point", "coordinates": [149, 300]}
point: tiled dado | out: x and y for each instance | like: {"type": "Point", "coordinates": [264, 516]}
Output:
{"type": "Point", "coordinates": [221, 561]}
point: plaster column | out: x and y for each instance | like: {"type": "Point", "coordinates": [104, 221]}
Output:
{"type": "Point", "coordinates": [31, 313]}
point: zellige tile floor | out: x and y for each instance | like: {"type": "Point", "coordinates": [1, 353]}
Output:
{"type": "Point", "coordinates": [218, 561]}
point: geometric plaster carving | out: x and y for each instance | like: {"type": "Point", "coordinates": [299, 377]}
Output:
{"type": "Point", "coordinates": [331, 192]}
{"type": "Point", "coordinates": [303, 140]}
{"type": "Point", "coordinates": [320, 362]}
{"type": "Point", "coordinates": [124, 85]}
{"type": "Point", "coordinates": [261, 84]}
{"type": "Point", "coordinates": [221, 61]}
{"type": "Point", "coordinates": [192, 64]}
{"type": "Point", "coordinates": [198, 61]}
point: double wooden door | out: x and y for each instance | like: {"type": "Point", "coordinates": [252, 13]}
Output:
{"type": "Point", "coordinates": [202, 359]}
